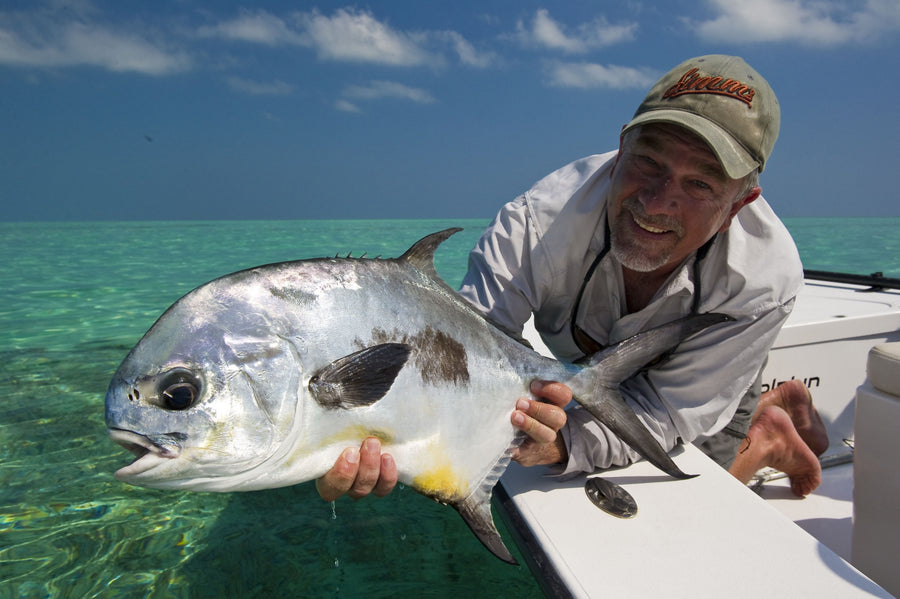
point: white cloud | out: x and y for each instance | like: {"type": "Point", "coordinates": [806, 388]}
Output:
{"type": "Point", "coordinates": [256, 88]}
{"type": "Point", "coordinates": [356, 36]}
{"type": "Point", "coordinates": [377, 90]}
{"type": "Point", "coordinates": [545, 32]}
{"type": "Point", "coordinates": [467, 53]}
{"type": "Point", "coordinates": [346, 106]}
{"type": "Point", "coordinates": [257, 27]}
{"type": "Point", "coordinates": [588, 75]}
{"type": "Point", "coordinates": [43, 39]}
{"type": "Point", "coordinates": [349, 35]}
{"type": "Point", "coordinates": [812, 22]}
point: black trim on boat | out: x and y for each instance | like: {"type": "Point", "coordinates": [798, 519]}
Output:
{"type": "Point", "coordinates": [875, 281]}
{"type": "Point", "coordinates": [541, 567]}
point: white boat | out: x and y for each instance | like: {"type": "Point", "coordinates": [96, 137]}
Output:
{"type": "Point", "coordinates": [712, 536]}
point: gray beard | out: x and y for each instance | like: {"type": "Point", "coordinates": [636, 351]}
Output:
{"type": "Point", "coordinates": [637, 262]}
{"type": "Point", "coordinates": [633, 258]}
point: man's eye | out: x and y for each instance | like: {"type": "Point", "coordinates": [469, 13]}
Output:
{"type": "Point", "coordinates": [646, 164]}
{"type": "Point", "coordinates": [702, 185]}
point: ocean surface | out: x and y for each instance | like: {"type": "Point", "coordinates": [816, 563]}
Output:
{"type": "Point", "coordinates": [75, 297]}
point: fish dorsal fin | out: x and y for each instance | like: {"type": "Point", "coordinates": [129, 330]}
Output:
{"type": "Point", "coordinates": [361, 378]}
{"type": "Point", "coordinates": [421, 254]}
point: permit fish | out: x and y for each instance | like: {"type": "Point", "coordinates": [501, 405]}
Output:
{"type": "Point", "coordinates": [259, 379]}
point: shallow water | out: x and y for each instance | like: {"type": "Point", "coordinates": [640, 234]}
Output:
{"type": "Point", "coordinates": [75, 297]}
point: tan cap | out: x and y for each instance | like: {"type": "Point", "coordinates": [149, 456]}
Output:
{"type": "Point", "coordinates": [724, 101]}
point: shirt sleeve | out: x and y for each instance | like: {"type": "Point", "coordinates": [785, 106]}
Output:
{"type": "Point", "coordinates": [499, 278]}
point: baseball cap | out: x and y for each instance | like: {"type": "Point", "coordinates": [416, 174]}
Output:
{"type": "Point", "coordinates": [725, 102]}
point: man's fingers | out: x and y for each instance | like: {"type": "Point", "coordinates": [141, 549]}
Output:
{"type": "Point", "coordinates": [555, 393]}
{"type": "Point", "coordinates": [387, 479]}
{"type": "Point", "coordinates": [340, 478]}
{"type": "Point", "coordinates": [539, 421]}
{"type": "Point", "coordinates": [549, 415]}
{"type": "Point", "coordinates": [369, 468]}
{"type": "Point", "coordinates": [359, 472]}
{"type": "Point", "coordinates": [542, 421]}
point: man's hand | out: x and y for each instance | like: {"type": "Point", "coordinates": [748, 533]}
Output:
{"type": "Point", "coordinates": [542, 421]}
{"type": "Point", "coordinates": [359, 472]}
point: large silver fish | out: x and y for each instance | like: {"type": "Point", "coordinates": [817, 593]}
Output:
{"type": "Point", "coordinates": [261, 378]}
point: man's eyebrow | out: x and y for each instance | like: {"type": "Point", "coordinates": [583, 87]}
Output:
{"type": "Point", "coordinates": [713, 169]}
{"type": "Point", "coordinates": [710, 168]}
{"type": "Point", "coordinates": [650, 142]}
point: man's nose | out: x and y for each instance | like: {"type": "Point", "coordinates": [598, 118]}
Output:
{"type": "Point", "coordinates": [657, 195]}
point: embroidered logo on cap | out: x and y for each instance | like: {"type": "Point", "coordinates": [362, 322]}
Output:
{"type": "Point", "coordinates": [692, 83]}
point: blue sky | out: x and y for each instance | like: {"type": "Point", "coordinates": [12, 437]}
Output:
{"type": "Point", "coordinates": [190, 109]}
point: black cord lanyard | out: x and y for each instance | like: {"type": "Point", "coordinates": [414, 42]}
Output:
{"type": "Point", "coordinates": [587, 344]}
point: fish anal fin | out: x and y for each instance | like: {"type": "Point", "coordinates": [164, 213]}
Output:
{"type": "Point", "coordinates": [476, 508]}
{"type": "Point", "coordinates": [361, 378]}
{"type": "Point", "coordinates": [476, 511]}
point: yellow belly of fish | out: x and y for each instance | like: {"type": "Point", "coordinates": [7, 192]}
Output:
{"type": "Point", "coordinates": [355, 434]}
{"type": "Point", "coordinates": [441, 481]}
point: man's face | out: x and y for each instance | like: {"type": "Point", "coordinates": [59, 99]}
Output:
{"type": "Point", "coordinates": [669, 195]}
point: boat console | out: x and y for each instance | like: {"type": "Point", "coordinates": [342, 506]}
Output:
{"type": "Point", "coordinates": [876, 492]}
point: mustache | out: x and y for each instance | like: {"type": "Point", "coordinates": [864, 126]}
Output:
{"type": "Point", "coordinates": [633, 205]}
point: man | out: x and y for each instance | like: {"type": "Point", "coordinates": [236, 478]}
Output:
{"type": "Point", "coordinates": [610, 245]}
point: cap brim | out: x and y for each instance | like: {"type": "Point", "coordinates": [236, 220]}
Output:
{"type": "Point", "coordinates": [736, 161]}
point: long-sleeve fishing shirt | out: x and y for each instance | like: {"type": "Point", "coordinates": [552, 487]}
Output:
{"type": "Point", "coordinates": [533, 258]}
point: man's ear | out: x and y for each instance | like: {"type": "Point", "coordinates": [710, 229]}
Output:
{"type": "Point", "coordinates": [748, 198]}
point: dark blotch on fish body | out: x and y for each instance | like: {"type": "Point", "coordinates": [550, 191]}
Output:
{"type": "Point", "coordinates": [438, 357]}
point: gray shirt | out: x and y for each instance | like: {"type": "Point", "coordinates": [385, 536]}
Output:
{"type": "Point", "coordinates": [533, 258]}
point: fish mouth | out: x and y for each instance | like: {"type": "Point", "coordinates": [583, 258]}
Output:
{"type": "Point", "coordinates": [149, 452]}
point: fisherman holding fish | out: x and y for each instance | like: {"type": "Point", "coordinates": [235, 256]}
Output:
{"type": "Point", "coordinates": [671, 224]}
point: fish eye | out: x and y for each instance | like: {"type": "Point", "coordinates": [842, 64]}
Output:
{"type": "Point", "coordinates": [179, 389]}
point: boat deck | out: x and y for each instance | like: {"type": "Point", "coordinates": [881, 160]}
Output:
{"type": "Point", "coordinates": [711, 535]}
{"type": "Point", "coordinates": [826, 514]}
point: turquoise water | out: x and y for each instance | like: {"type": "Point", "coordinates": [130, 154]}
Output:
{"type": "Point", "coordinates": [75, 297]}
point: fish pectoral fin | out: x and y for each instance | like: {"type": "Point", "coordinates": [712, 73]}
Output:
{"type": "Point", "coordinates": [476, 511]}
{"type": "Point", "coordinates": [361, 378]}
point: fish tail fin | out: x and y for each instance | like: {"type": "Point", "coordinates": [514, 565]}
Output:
{"type": "Point", "coordinates": [597, 386]}
{"type": "Point", "coordinates": [476, 508]}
